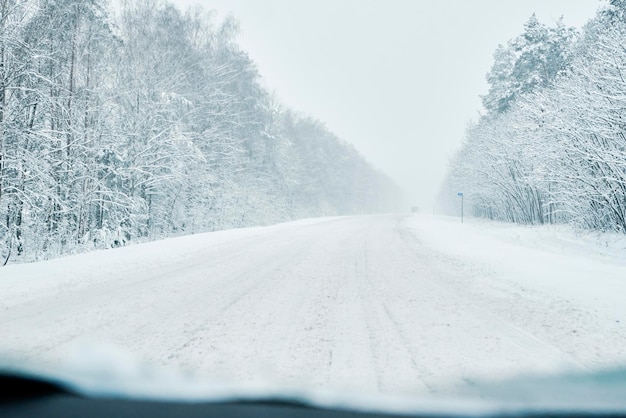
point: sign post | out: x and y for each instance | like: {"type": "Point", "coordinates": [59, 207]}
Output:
{"type": "Point", "coordinates": [460, 194]}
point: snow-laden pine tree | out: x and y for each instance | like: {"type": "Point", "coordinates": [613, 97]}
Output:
{"type": "Point", "coordinates": [552, 145]}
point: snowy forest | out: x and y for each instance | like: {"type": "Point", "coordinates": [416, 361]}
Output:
{"type": "Point", "coordinates": [551, 145]}
{"type": "Point", "coordinates": [148, 122]}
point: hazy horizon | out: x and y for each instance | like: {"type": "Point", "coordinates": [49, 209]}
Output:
{"type": "Point", "coordinates": [387, 77]}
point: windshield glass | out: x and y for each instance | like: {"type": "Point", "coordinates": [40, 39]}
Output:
{"type": "Point", "coordinates": [404, 198]}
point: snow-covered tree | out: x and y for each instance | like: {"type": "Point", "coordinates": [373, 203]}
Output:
{"type": "Point", "coordinates": [149, 124]}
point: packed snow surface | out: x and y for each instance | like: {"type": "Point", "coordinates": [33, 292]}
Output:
{"type": "Point", "coordinates": [392, 304]}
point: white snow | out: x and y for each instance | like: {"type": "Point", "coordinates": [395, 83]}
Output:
{"type": "Point", "coordinates": [564, 287]}
{"type": "Point", "coordinates": [390, 304]}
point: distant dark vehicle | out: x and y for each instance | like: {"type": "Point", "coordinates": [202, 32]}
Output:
{"type": "Point", "coordinates": [414, 209]}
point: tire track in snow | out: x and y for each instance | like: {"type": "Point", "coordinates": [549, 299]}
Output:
{"type": "Point", "coordinates": [355, 303]}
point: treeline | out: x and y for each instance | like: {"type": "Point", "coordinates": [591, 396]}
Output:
{"type": "Point", "coordinates": [149, 123]}
{"type": "Point", "coordinates": [551, 146]}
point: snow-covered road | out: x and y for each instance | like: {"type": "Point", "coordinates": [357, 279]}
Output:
{"type": "Point", "coordinates": [367, 303]}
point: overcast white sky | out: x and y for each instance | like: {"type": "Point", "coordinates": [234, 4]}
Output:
{"type": "Point", "coordinates": [399, 79]}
